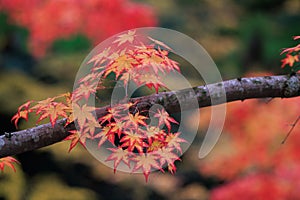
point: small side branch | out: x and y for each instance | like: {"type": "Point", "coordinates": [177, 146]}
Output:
{"type": "Point", "coordinates": [291, 130]}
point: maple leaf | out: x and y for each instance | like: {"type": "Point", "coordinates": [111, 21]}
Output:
{"type": "Point", "coordinates": [166, 156]}
{"type": "Point", "coordinates": [53, 111]}
{"type": "Point", "coordinates": [118, 155]}
{"type": "Point", "coordinates": [100, 58]}
{"type": "Point", "coordinates": [135, 120]}
{"type": "Point", "coordinates": [153, 131]}
{"type": "Point", "coordinates": [164, 118]}
{"type": "Point", "coordinates": [90, 127]}
{"type": "Point", "coordinates": [132, 141]}
{"type": "Point", "coordinates": [160, 43]}
{"type": "Point", "coordinates": [82, 114]}
{"type": "Point", "coordinates": [117, 127]}
{"type": "Point", "coordinates": [172, 168]}
{"type": "Point", "coordinates": [121, 64]}
{"type": "Point", "coordinates": [104, 135]}
{"type": "Point", "coordinates": [90, 77]}
{"type": "Point", "coordinates": [43, 104]}
{"type": "Point", "coordinates": [149, 79]}
{"type": "Point", "coordinates": [113, 112]}
{"type": "Point", "coordinates": [76, 137]}
{"type": "Point", "coordinates": [156, 134]}
{"type": "Point", "coordinates": [146, 162]}
{"type": "Point", "coordinates": [173, 141]}
{"type": "Point", "coordinates": [292, 49]}
{"type": "Point", "coordinates": [126, 37]}
{"type": "Point", "coordinates": [296, 37]}
{"type": "Point", "coordinates": [23, 112]}
{"type": "Point", "coordinates": [155, 145]}
{"type": "Point", "coordinates": [9, 162]}
{"type": "Point", "coordinates": [289, 60]}
{"type": "Point", "coordinates": [85, 90]}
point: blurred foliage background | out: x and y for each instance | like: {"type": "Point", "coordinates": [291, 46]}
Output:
{"type": "Point", "coordinates": [240, 35]}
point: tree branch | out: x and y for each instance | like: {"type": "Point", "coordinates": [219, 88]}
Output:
{"type": "Point", "coordinates": [285, 86]}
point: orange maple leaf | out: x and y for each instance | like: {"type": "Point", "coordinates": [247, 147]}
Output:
{"type": "Point", "coordinates": [9, 162]}
{"type": "Point", "coordinates": [41, 105]}
{"type": "Point", "coordinates": [53, 111]}
{"type": "Point", "coordinates": [289, 60]}
{"type": "Point", "coordinates": [121, 64]}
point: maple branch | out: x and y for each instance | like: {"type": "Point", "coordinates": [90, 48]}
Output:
{"type": "Point", "coordinates": [284, 86]}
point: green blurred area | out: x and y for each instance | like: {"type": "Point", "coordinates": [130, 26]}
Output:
{"type": "Point", "coordinates": [240, 35]}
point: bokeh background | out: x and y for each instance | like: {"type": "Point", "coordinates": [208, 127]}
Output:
{"type": "Point", "coordinates": [42, 44]}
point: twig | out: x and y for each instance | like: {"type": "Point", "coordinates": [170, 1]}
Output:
{"type": "Point", "coordinates": [291, 129]}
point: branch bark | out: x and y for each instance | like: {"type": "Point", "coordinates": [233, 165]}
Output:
{"type": "Point", "coordinates": [285, 86]}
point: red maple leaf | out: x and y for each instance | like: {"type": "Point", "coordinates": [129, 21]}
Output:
{"type": "Point", "coordinates": [166, 156]}
{"type": "Point", "coordinates": [132, 141]}
{"type": "Point", "coordinates": [23, 112]}
{"type": "Point", "coordinates": [9, 162]}
{"type": "Point", "coordinates": [117, 127]}
{"type": "Point", "coordinates": [296, 37]}
{"type": "Point", "coordinates": [147, 162]}
{"type": "Point", "coordinates": [135, 120]}
{"type": "Point", "coordinates": [164, 118]}
{"type": "Point", "coordinates": [118, 155]}
{"type": "Point", "coordinates": [76, 137]}
{"type": "Point", "coordinates": [104, 135]}
{"type": "Point", "coordinates": [154, 133]}
{"type": "Point", "coordinates": [113, 112]}
{"type": "Point", "coordinates": [173, 141]}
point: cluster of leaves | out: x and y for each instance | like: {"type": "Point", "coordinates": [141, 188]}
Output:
{"type": "Point", "coordinates": [52, 108]}
{"type": "Point", "coordinates": [96, 19]}
{"type": "Point", "coordinates": [142, 140]}
{"type": "Point", "coordinates": [292, 56]}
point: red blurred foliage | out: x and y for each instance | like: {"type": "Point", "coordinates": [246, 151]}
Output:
{"type": "Point", "coordinates": [97, 19]}
{"type": "Point", "coordinates": [254, 163]}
